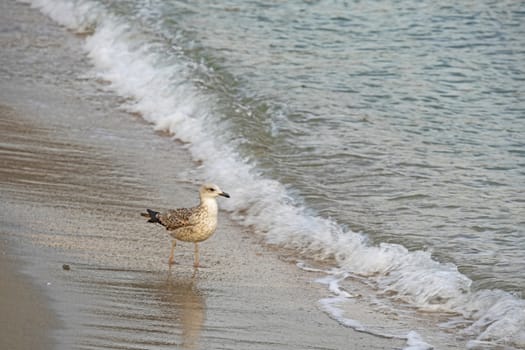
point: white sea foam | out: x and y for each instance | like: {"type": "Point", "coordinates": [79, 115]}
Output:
{"type": "Point", "coordinates": [415, 342]}
{"type": "Point", "coordinates": [161, 89]}
{"type": "Point", "coordinates": [332, 305]}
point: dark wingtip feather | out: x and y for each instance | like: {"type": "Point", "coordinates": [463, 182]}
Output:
{"type": "Point", "coordinates": [152, 215]}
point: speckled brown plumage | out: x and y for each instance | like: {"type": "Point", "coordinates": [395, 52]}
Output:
{"type": "Point", "coordinates": [195, 224]}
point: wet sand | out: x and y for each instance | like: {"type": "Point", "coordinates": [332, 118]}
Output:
{"type": "Point", "coordinates": [75, 174]}
{"type": "Point", "coordinates": [27, 321]}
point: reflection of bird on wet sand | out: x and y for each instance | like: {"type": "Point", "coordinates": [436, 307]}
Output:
{"type": "Point", "coordinates": [184, 305]}
{"type": "Point", "coordinates": [195, 224]}
{"type": "Point", "coordinates": [182, 309]}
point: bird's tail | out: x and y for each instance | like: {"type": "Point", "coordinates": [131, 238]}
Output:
{"type": "Point", "coordinates": [152, 215]}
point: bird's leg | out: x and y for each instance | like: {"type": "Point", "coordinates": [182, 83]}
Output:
{"type": "Point", "coordinates": [171, 259]}
{"type": "Point", "coordinates": [196, 256]}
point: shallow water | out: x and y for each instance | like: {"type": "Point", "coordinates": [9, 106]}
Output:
{"type": "Point", "coordinates": [401, 120]}
{"type": "Point", "coordinates": [384, 135]}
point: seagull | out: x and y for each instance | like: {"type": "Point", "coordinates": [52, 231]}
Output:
{"type": "Point", "coordinates": [195, 224]}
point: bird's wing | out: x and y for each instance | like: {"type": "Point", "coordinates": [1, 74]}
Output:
{"type": "Point", "coordinates": [175, 219]}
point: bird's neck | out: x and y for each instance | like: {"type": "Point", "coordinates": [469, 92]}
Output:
{"type": "Point", "coordinates": [210, 204]}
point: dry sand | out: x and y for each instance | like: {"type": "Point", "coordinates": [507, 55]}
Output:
{"type": "Point", "coordinates": [75, 172]}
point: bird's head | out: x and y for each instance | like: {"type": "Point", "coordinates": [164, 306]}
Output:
{"type": "Point", "coordinates": [212, 191]}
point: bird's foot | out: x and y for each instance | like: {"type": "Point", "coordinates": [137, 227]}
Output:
{"type": "Point", "coordinates": [200, 266]}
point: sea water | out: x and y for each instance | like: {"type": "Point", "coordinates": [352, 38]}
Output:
{"type": "Point", "coordinates": [385, 139]}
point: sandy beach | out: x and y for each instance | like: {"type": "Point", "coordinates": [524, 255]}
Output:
{"type": "Point", "coordinates": [75, 173]}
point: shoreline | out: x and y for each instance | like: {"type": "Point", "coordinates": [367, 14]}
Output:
{"type": "Point", "coordinates": [77, 171]}
{"type": "Point", "coordinates": [247, 296]}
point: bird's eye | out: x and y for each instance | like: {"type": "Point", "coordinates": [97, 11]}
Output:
{"type": "Point", "coordinates": [211, 189]}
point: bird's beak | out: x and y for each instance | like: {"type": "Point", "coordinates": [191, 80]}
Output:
{"type": "Point", "coordinates": [224, 194]}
